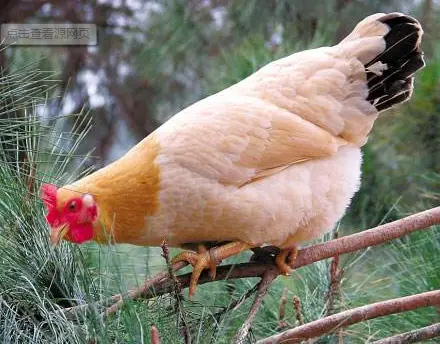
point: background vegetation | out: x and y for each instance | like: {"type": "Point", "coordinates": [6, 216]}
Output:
{"type": "Point", "coordinates": [65, 111]}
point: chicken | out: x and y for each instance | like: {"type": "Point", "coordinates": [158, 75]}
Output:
{"type": "Point", "coordinates": [274, 159]}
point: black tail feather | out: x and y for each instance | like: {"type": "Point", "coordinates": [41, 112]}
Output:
{"type": "Point", "coordinates": [402, 57]}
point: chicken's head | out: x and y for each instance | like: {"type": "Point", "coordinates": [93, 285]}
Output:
{"type": "Point", "coordinates": [70, 214]}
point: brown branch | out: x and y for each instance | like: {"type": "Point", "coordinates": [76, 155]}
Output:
{"type": "Point", "coordinates": [334, 294]}
{"type": "Point", "coordinates": [134, 294]}
{"type": "Point", "coordinates": [147, 290]}
{"type": "Point", "coordinates": [235, 304]}
{"type": "Point", "coordinates": [306, 256]}
{"type": "Point", "coordinates": [160, 285]}
{"type": "Point", "coordinates": [298, 312]}
{"type": "Point", "coordinates": [282, 311]}
{"type": "Point", "coordinates": [178, 295]}
{"type": "Point", "coordinates": [415, 336]}
{"type": "Point", "coordinates": [367, 238]}
{"type": "Point", "coordinates": [352, 316]}
{"type": "Point", "coordinates": [334, 289]}
{"type": "Point", "coordinates": [267, 279]}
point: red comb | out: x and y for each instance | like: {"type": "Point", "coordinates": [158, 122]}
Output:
{"type": "Point", "coordinates": [49, 195]}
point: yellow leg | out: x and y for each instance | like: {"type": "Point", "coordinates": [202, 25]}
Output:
{"type": "Point", "coordinates": [287, 256]}
{"type": "Point", "coordinates": [208, 259]}
{"type": "Point", "coordinates": [285, 259]}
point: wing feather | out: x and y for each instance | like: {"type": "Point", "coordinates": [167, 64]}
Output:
{"type": "Point", "coordinates": [238, 140]}
{"type": "Point", "coordinates": [302, 107]}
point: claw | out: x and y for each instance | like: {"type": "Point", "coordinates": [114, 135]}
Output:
{"type": "Point", "coordinates": [285, 259]}
{"type": "Point", "coordinates": [208, 259]}
{"type": "Point", "coordinates": [199, 261]}
{"type": "Point", "coordinates": [188, 256]}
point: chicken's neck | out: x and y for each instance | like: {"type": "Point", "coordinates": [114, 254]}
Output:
{"type": "Point", "coordinates": [126, 193]}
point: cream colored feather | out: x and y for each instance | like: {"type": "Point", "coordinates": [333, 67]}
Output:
{"type": "Point", "coordinates": [273, 159]}
{"type": "Point", "coordinates": [277, 156]}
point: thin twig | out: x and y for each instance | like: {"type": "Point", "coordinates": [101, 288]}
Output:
{"type": "Point", "coordinates": [166, 256]}
{"type": "Point", "coordinates": [415, 336]}
{"type": "Point", "coordinates": [268, 278]}
{"type": "Point", "coordinates": [298, 312]}
{"type": "Point", "coordinates": [117, 301]}
{"type": "Point", "coordinates": [136, 293]}
{"type": "Point", "coordinates": [235, 304]}
{"type": "Point", "coordinates": [334, 294]}
{"type": "Point", "coordinates": [31, 177]}
{"type": "Point", "coordinates": [349, 317]}
{"type": "Point", "coordinates": [155, 339]}
{"type": "Point", "coordinates": [282, 311]}
{"type": "Point", "coordinates": [160, 285]}
{"type": "Point", "coordinates": [334, 289]}
{"type": "Point", "coordinates": [182, 317]}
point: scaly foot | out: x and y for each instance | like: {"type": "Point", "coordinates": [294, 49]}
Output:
{"type": "Point", "coordinates": [285, 259]}
{"type": "Point", "coordinates": [200, 260]}
{"type": "Point", "coordinates": [208, 259]}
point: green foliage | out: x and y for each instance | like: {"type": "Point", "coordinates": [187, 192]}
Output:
{"type": "Point", "coordinates": [406, 266]}
{"type": "Point", "coordinates": [34, 279]}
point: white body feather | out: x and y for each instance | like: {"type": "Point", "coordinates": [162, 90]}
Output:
{"type": "Point", "coordinates": [274, 159]}
{"type": "Point", "coordinates": [304, 200]}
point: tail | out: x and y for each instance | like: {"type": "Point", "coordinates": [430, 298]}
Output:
{"type": "Point", "coordinates": [388, 45]}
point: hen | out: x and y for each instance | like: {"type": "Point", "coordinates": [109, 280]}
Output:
{"type": "Point", "coordinates": [273, 159]}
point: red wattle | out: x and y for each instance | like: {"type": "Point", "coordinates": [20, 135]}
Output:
{"type": "Point", "coordinates": [80, 233]}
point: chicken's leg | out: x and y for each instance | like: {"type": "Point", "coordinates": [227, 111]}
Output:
{"type": "Point", "coordinates": [208, 259]}
{"type": "Point", "coordinates": [285, 259]}
{"type": "Point", "coordinates": [287, 256]}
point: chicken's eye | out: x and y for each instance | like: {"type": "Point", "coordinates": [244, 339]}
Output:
{"type": "Point", "coordinates": [72, 206]}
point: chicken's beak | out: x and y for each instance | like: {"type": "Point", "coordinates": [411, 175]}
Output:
{"type": "Point", "coordinates": [57, 234]}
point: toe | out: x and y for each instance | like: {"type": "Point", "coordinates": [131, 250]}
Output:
{"type": "Point", "coordinates": [291, 258]}
{"type": "Point", "coordinates": [197, 271]}
{"type": "Point", "coordinates": [200, 261]}
{"type": "Point", "coordinates": [284, 268]}
{"type": "Point", "coordinates": [204, 261]}
{"type": "Point", "coordinates": [186, 256]}
{"type": "Point", "coordinates": [212, 269]}
{"type": "Point", "coordinates": [285, 259]}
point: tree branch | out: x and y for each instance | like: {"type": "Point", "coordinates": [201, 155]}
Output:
{"type": "Point", "coordinates": [298, 312]}
{"type": "Point", "coordinates": [181, 315]}
{"type": "Point", "coordinates": [307, 256]}
{"type": "Point", "coordinates": [334, 294]}
{"type": "Point", "coordinates": [160, 284]}
{"type": "Point", "coordinates": [235, 304]}
{"type": "Point", "coordinates": [367, 238]}
{"type": "Point", "coordinates": [352, 316]}
{"type": "Point", "coordinates": [415, 336]}
{"type": "Point", "coordinates": [267, 279]}
{"type": "Point", "coordinates": [118, 300]}
{"type": "Point", "coordinates": [282, 323]}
